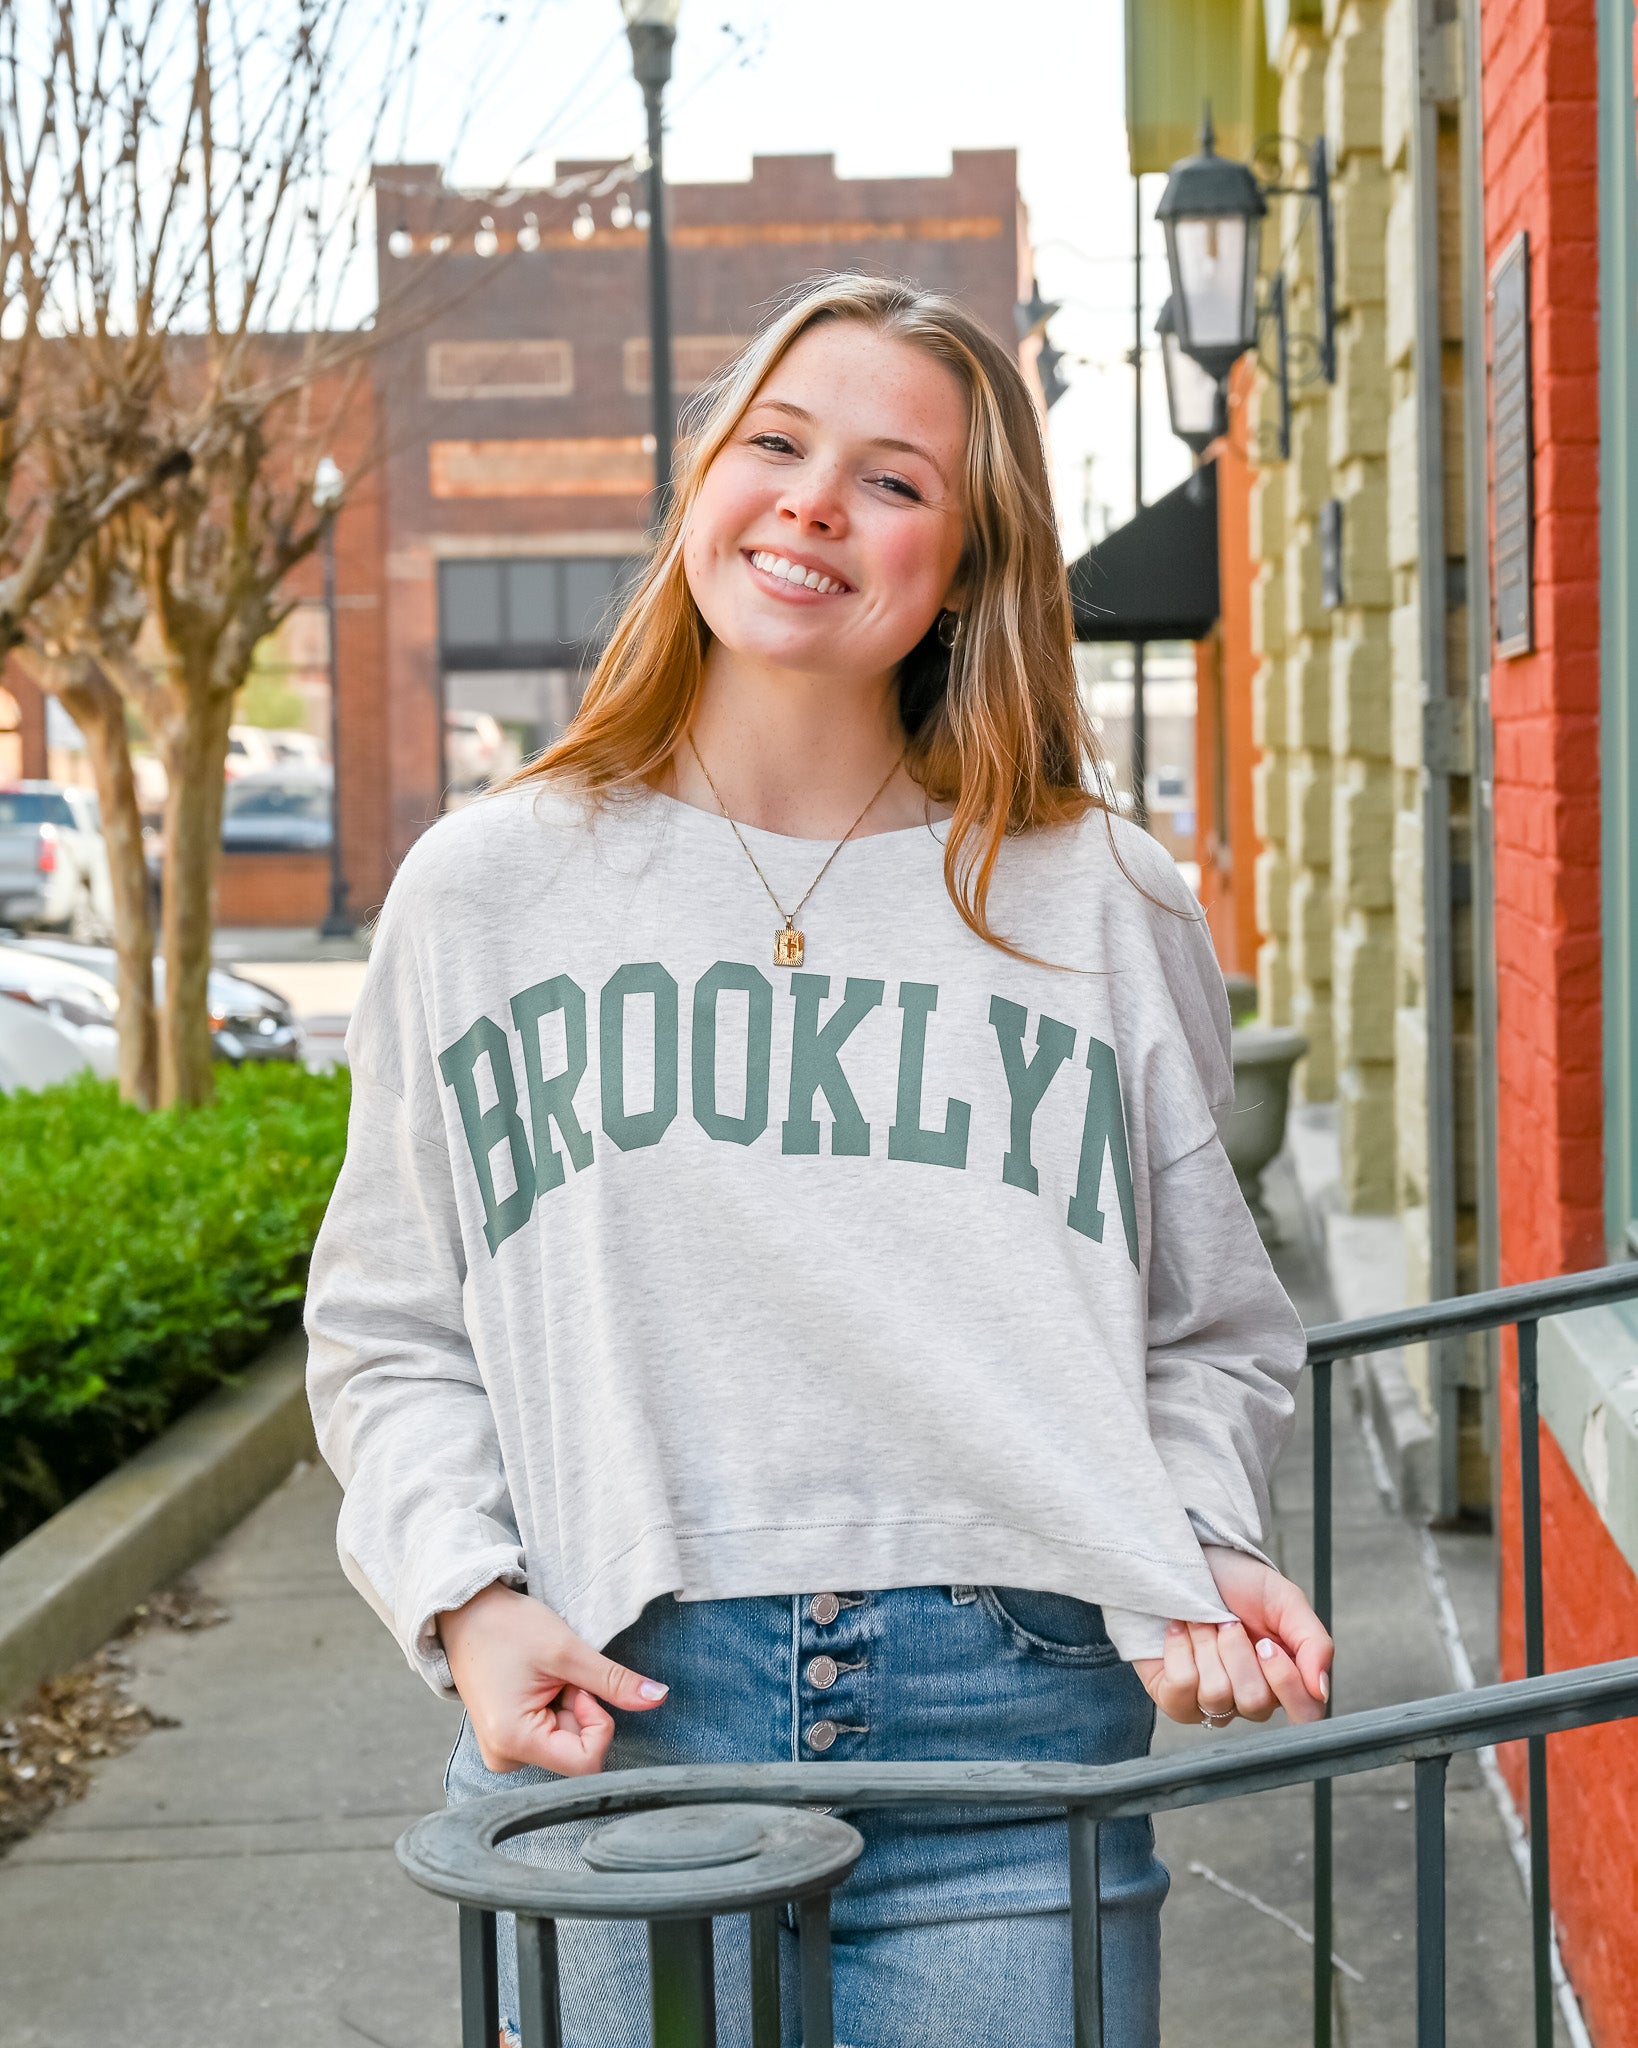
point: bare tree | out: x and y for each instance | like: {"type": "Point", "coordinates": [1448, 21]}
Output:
{"type": "Point", "coordinates": [84, 652]}
{"type": "Point", "coordinates": [184, 190]}
{"type": "Point", "coordinates": [199, 224]}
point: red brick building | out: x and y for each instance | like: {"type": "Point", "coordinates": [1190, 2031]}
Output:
{"type": "Point", "coordinates": [512, 406]}
{"type": "Point", "coordinates": [1561, 168]}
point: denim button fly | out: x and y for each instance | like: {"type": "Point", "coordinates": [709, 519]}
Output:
{"type": "Point", "coordinates": [824, 1608]}
{"type": "Point", "coordinates": [821, 1735]}
{"type": "Point", "coordinates": [822, 1672]}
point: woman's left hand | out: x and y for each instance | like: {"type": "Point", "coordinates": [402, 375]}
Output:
{"type": "Point", "coordinates": [1276, 1653]}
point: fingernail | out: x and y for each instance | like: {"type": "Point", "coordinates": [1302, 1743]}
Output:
{"type": "Point", "coordinates": [1224, 1626]}
{"type": "Point", "coordinates": [1174, 1628]}
{"type": "Point", "coordinates": [1265, 1649]}
{"type": "Point", "coordinates": [1325, 1686]}
{"type": "Point", "coordinates": [651, 1689]}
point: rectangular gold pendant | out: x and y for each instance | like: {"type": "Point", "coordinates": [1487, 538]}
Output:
{"type": "Point", "coordinates": [788, 947]}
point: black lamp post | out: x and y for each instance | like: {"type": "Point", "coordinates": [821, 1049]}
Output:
{"type": "Point", "coordinates": [1194, 397]}
{"type": "Point", "coordinates": [328, 487]}
{"type": "Point", "coordinates": [1212, 213]}
{"type": "Point", "coordinates": [651, 28]}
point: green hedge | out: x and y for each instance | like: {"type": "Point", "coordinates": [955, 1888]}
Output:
{"type": "Point", "coordinates": [143, 1259]}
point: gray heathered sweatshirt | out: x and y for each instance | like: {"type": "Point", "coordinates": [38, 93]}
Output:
{"type": "Point", "coordinates": [656, 1268]}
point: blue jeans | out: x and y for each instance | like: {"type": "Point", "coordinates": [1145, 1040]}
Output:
{"type": "Point", "coordinates": [953, 1927]}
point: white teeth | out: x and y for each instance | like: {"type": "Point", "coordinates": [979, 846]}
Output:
{"type": "Point", "coordinates": [805, 579]}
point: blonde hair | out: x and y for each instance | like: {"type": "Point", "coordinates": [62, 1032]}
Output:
{"type": "Point", "coordinates": [995, 726]}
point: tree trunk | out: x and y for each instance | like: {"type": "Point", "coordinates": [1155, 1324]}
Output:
{"type": "Point", "coordinates": [97, 708]}
{"type": "Point", "coordinates": [194, 745]}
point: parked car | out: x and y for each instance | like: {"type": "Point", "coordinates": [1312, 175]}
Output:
{"type": "Point", "coordinates": [293, 748]}
{"type": "Point", "coordinates": [54, 860]}
{"type": "Point", "coordinates": [477, 750]}
{"type": "Point", "coordinates": [277, 810]}
{"type": "Point", "coordinates": [35, 1050]}
{"type": "Point", "coordinates": [76, 999]}
{"type": "Point", "coordinates": [248, 1021]}
{"type": "Point", "coordinates": [249, 751]}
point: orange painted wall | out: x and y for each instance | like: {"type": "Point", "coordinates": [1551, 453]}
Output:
{"type": "Point", "coordinates": [1590, 1614]}
{"type": "Point", "coordinates": [1541, 175]}
{"type": "Point", "coordinates": [1226, 843]}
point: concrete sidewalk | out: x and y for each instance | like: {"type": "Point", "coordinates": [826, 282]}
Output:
{"type": "Point", "coordinates": [1235, 1977]}
{"type": "Point", "coordinates": [231, 1879]}
{"type": "Point", "coordinates": [230, 1882]}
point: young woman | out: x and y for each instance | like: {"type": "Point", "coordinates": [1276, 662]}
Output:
{"type": "Point", "coordinates": [785, 1284]}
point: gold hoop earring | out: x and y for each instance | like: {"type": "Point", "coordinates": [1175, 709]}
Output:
{"type": "Point", "coordinates": [949, 628]}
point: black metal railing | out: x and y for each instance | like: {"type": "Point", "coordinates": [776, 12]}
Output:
{"type": "Point", "coordinates": [680, 1887]}
{"type": "Point", "coordinates": [1522, 1308]}
{"type": "Point", "coordinates": [710, 1845]}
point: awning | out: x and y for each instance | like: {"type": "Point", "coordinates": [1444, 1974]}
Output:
{"type": "Point", "coordinates": [1180, 53]}
{"type": "Point", "coordinates": [1155, 578]}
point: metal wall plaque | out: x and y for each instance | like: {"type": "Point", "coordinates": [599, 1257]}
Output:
{"type": "Point", "coordinates": [1330, 542]}
{"type": "Point", "coordinates": [1512, 446]}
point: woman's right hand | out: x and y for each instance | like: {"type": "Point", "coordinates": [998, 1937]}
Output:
{"type": "Point", "coordinates": [533, 1689]}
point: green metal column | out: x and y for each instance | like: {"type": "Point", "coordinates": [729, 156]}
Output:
{"type": "Point", "coordinates": [1618, 602]}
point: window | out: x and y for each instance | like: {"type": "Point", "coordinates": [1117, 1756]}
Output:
{"type": "Point", "coordinates": [500, 369]}
{"type": "Point", "coordinates": [35, 807]}
{"type": "Point", "coordinates": [695, 360]}
{"type": "Point", "coordinates": [528, 613]}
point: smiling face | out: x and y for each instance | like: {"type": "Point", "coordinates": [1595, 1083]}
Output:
{"type": "Point", "coordinates": [827, 533]}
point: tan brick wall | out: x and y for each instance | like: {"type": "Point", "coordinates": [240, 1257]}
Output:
{"type": "Point", "coordinates": [1405, 455]}
{"type": "Point", "coordinates": [1358, 725]}
{"type": "Point", "coordinates": [1307, 656]}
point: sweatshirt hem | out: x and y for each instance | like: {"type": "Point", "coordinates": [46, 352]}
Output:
{"type": "Point", "coordinates": [1140, 1591]}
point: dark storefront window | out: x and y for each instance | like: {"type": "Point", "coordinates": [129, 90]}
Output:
{"type": "Point", "coordinates": [516, 638]}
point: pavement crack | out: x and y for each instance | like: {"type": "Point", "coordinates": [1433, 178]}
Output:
{"type": "Point", "coordinates": [363, 2033]}
{"type": "Point", "coordinates": [1204, 1870]}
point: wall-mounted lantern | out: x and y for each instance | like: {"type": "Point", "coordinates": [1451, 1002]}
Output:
{"type": "Point", "coordinates": [1212, 213]}
{"type": "Point", "coordinates": [1194, 397]}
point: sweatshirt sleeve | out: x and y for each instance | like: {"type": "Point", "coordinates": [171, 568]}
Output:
{"type": "Point", "coordinates": [399, 1406]}
{"type": "Point", "coordinates": [1225, 1350]}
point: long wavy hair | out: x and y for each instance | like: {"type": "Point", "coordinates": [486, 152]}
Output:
{"type": "Point", "coordinates": [995, 726]}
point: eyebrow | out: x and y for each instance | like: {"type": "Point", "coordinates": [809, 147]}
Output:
{"type": "Point", "coordinates": [797, 412]}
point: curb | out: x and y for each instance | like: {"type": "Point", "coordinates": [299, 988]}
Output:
{"type": "Point", "coordinates": [67, 1586]}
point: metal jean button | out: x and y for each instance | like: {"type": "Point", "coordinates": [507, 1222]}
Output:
{"type": "Point", "coordinates": [824, 1608]}
{"type": "Point", "coordinates": [822, 1672]}
{"type": "Point", "coordinates": [821, 1735]}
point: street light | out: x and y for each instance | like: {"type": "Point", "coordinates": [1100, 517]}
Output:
{"type": "Point", "coordinates": [328, 487]}
{"type": "Point", "coordinates": [1194, 397]}
{"type": "Point", "coordinates": [1212, 212]}
{"type": "Point", "coordinates": [651, 28]}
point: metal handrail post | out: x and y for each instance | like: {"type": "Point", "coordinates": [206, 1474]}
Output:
{"type": "Point", "coordinates": [682, 1970]}
{"type": "Point", "coordinates": [1085, 1928]}
{"type": "Point", "coordinates": [480, 1979]}
{"type": "Point", "coordinates": [813, 1938]}
{"type": "Point", "coordinates": [1431, 1775]}
{"type": "Point", "coordinates": [1324, 1834]}
{"type": "Point", "coordinates": [540, 2019]}
{"type": "Point", "coordinates": [765, 2018]}
{"type": "Point", "coordinates": [1535, 1663]}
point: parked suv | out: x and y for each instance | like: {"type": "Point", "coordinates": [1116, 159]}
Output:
{"type": "Point", "coordinates": [54, 861]}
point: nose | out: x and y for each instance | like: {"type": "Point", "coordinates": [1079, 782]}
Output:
{"type": "Point", "coordinates": [813, 502]}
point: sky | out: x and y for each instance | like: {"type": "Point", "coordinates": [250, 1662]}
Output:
{"type": "Point", "coordinates": [889, 87]}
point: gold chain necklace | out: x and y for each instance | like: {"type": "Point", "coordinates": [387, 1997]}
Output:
{"type": "Point", "coordinates": [789, 943]}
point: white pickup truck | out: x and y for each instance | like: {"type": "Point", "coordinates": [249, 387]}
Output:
{"type": "Point", "coordinates": [54, 861]}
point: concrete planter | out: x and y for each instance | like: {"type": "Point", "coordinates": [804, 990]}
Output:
{"type": "Point", "coordinates": [69, 1584]}
{"type": "Point", "coordinates": [1264, 1055]}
